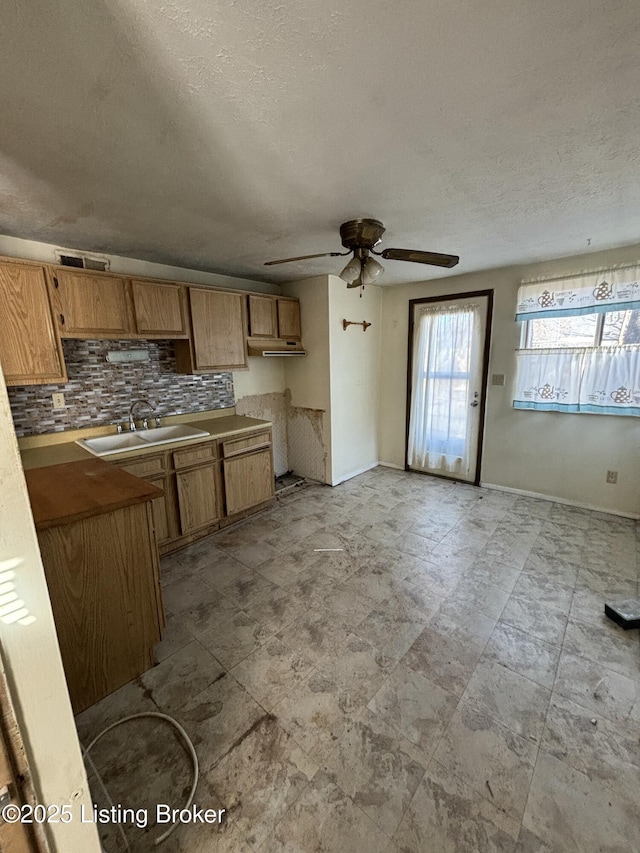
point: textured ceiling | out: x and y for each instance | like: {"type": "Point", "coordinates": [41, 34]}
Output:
{"type": "Point", "coordinates": [218, 134]}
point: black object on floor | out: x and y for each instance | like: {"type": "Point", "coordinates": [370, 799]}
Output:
{"type": "Point", "coordinates": [626, 613]}
{"type": "Point", "coordinates": [288, 481]}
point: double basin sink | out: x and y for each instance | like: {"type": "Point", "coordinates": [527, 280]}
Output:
{"type": "Point", "coordinates": [109, 445]}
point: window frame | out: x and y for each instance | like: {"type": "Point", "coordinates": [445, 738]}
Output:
{"type": "Point", "coordinates": [526, 333]}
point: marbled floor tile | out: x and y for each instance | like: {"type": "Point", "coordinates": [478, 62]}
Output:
{"type": "Point", "coordinates": [439, 577]}
{"type": "Point", "coordinates": [246, 588]}
{"type": "Point", "coordinates": [477, 596]}
{"type": "Point", "coordinates": [217, 717]}
{"type": "Point", "coordinates": [493, 761]}
{"type": "Point", "coordinates": [275, 610]}
{"type": "Point", "coordinates": [516, 702]}
{"type": "Point", "coordinates": [601, 579]}
{"type": "Point", "coordinates": [199, 555]}
{"type": "Point", "coordinates": [523, 654]}
{"type": "Point", "coordinates": [223, 572]}
{"type": "Point", "coordinates": [316, 634]}
{"type": "Point", "coordinates": [435, 527]}
{"type": "Point", "coordinates": [607, 644]}
{"type": "Point", "coordinates": [310, 586]}
{"type": "Point", "coordinates": [316, 713]}
{"type": "Point", "coordinates": [370, 765]}
{"type": "Point", "coordinates": [374, 583]}
{"type": "Point", "coordinates": [234, 638]}
{"type": "Point", "coordinates": [532, 507]}
{"type": "Point", "coordinates": [175, 636]}
{"type": "Point", "coordinates": [509, 551]}
{"type": "Point", "coordinates": [571, 812]}
{"type": "Point", "coordinates": [358, 668]}
{"type": "Point", "coordinates": [184, 674]}
{"type": "Point", "coordinates": [325, 819]}
{"type": "Point", "coordinates": [415, 706]}
{"type": "Point", "coordinates": [448, 816]}
{"type": "Point", "coordinates": [348, 606]}
{"type": "Point", "coordinates": [449, 648]}
{"type": "Point", "coordinates": [602, 691]}
{"type": "Point", "coordinates": [389, 633]}
{"type": "Point", "coordinates": [598, 749]}
{"type": "Point", "coordinates": [130, 699]}
{"type": "Point", "coordinates": [260, 779]}
{"type": "Point", "coordinates": [172, 567]}
{"type": "Point", "coordinates": [587, 604]}
{"type": "Point", "coordinates": [271, 672]}
{"type": "Point", "coordinates": [530, 843]}
{"type": "Point", "coordinates": [529, 615]}
{"type": "Point", "coordinates": [494, 572]}
{"type": "Point", "coordinates": [189, 592]}
{"type": "Point", "coordinates": [545, 592]}
{"type": "Point", "coordinates": [415, 546]}
{"type": "Point", "coordinates": [551, 567]}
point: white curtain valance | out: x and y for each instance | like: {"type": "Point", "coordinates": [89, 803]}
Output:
{"type": "Point", "coordinates": [591, 293]}
{"type": "Point", "coordinates": [602, 381]}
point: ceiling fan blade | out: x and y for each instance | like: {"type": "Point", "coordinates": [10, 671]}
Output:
{"type": "Point", "coordinates": [434, 258]}
{"type": "Point", "coordinates": [306, 257]}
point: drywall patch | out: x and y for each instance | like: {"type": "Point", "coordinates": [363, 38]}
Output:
{"type": "Point", "coordinates": [307, 446]}
{"type": "Point", "coordinates": [270, 407]}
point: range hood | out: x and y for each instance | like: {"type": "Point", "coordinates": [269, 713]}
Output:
{"type": "Point", "coordinates": [274, 348]}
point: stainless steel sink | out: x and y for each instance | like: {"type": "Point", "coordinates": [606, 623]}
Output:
{"type": "Point", "coordinates": [110, 445]}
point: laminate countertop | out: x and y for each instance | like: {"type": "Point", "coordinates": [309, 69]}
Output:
{"type": "Point", "coordinates": [37, 453]}
{"type": "Point", "coordinates": [61, 494]}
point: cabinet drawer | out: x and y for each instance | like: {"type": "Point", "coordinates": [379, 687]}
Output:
{"type": "Point", "coordinates": [145, 467]}
{"type": "Point", "coordinates": [250, 442]}
{"type": "Point", "coordinates": [202, 453]}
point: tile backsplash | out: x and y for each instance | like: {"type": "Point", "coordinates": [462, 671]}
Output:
{"type": "Point", "coordinates": [98, 392]}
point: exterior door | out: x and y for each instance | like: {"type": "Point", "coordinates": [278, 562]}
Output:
{"type": "Point", "coordinates": [448, 362]}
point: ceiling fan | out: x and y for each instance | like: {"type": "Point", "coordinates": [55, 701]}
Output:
{"type": "Point", "coordinates": [360, 236]}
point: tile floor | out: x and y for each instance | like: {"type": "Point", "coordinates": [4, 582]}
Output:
{"type": "Point", "coordinates": [445, 681]}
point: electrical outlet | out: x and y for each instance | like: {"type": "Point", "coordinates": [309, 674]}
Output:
{"type": "Point", "coordinates": [497, 379]}
{"type": "Point", "coordinates": [229, 386]}
{"type": "Point", "coordinates": [58, 401]}
{"type": "Point", "coordinates": [612, 477]}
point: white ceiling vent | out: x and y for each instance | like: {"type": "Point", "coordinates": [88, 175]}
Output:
{"type": "Point", "coordinates": [83, 262]}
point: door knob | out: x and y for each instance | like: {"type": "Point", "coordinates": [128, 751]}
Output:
{"type": "Point", "coordinates": [474, 403]}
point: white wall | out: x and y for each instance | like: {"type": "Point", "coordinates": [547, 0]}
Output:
{"type": "Point", "coordinates": [548, 453]}
{"type": "Point", "coordinates": [31, 250]}
{"type": "Point", "coordinates": [308, 381]}
{"type": "Point", "coordinates": [32, 658]}
{"type": "Point", "coordinates": [354, 378]}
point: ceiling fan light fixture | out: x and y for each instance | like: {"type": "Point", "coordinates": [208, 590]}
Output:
{"type": "Point", "coordinates": [351, 271]}
{"type": "Point", "coordinates": [371, 271]}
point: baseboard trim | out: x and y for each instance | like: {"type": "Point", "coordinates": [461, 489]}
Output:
{"type": "Point", "coordinates": [556, 500]}
{"type": "Point", "coordinates": [391, 465]}
{"type": "Point", "coordinates": [356, 473]}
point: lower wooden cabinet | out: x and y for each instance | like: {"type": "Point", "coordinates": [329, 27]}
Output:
{"type": "Point", "coordinates": [198, 500]}
{"type": "Point", "coordinates": [206, 485]}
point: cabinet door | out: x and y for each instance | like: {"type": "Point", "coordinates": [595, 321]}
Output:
{"type": "Point", "coordinates": [218, 322]}
{"type": "Point", "coordinates": [198, 497]}
{"type": "Point", "coordinates": [263, 318]}
{"type": "Point", "coordinates": [90, 305]}
{"type": "Point", "coordinates": [289, 319]}
{"type": "Point", "coordinates": [159, 309]}
{"type": "Point", "coordinates": [248, 480]}
{"type": "Point", "coordinates": [30, 350]}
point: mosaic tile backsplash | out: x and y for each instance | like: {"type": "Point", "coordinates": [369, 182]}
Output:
{"type": "Point", "coordinates": [100, 393]}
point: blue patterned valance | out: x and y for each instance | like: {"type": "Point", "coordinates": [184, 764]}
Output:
{"type": "Point", "coordinates": [591, 293]}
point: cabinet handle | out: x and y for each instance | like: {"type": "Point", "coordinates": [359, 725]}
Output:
{"type": "Point", "coordinates": [55, 282]}
{"type": "Point", "coordinates": [62, 319]}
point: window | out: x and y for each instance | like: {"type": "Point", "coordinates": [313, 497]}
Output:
{"type": "Point", "coordinates": [614, 328]}
{"type": "Point", "coordinates": [580, 344]}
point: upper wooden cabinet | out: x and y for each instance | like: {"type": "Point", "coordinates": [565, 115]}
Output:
{"type": "Point", "coordinates": [160, 309]}
{"type": "Point", "coordinates": [289, 319]}
{"type": "Point", "coordinates": [218, 332]}
{"type": "Point", "coordinates": [30, 350]}
{"type": "Point", "coordinates": [92, 305]}
{"type": "Point", "coordinates": [263, 317]}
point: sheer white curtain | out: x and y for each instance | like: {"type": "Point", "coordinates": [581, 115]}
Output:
{"type": "Point", "coordinates": [446, 352]}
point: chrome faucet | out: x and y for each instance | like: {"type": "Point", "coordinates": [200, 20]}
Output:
{"type": "Point", "coordinates": [132, 423]}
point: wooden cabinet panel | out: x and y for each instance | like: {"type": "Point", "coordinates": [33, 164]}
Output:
{"type": "Point", "coordinates": [160, 309]}
{"type": "Point", "coordinates": [102, 578]}
{"type": "Point", "coordinates": [160, 506]}
{"type": "Point", "coordinates": [193, 455]}
{"type": "Point", "coordinates": [263, 317]}
{"type": "Point", "coordinates": [89, 305]}
{"type": "Point", "coordinates": [233, 446]}
{"type": "Point", "coordinates": [198, 497]}
{"type": "Point", "coordinates": [218, 328]}
{"type": "Point", "coordinates": [289, 319]}
{"type": "Point", "coordinates": [30, 350]}
{"type": "Point", "coordinates": [248, 480]}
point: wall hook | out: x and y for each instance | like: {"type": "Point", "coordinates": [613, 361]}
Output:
{"type": "Point", "coordinates": [364, 324]}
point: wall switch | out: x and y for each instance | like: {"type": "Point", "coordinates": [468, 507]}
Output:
{"type": "Point", "coordinates": [58, 401]}
{"type": "Point", "coordinates": [612, 477]}
{"type": "Point", "coordinates": [497, 379]}
{"type": "Point", "coordinates": [229, 386]}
